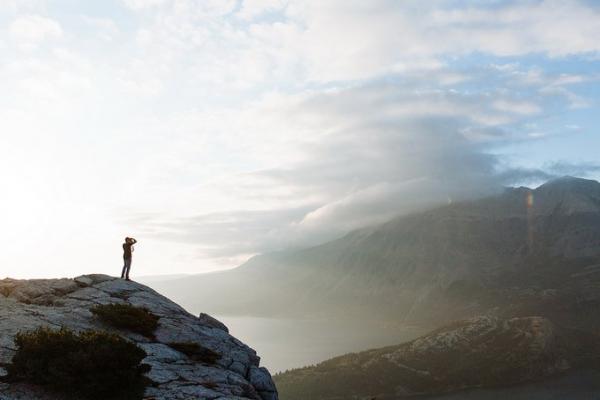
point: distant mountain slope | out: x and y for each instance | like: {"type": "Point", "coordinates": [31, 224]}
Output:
{"type": "Point", "coordinates": [521, 252]}
{"type": "Point", "coordinates": [476, 353]}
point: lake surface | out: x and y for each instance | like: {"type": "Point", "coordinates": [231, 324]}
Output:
{"type": "Point", "coordinates": [286, 343]}
{"type": "Point", "coordinates": [292, 343]}
{"type": "Point", "coordinates": [583, 385]}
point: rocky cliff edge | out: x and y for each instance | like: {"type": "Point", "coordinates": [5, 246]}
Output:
{"type": "Point", "coordinates": [28, 304]}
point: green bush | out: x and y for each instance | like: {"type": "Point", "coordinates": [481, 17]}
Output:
{"type": "Point", "coordinates": [91, 364]}
{"type": "Point", "coordinates": [196, 352]}
{"type": "Point", "coordinates": [126, 316]}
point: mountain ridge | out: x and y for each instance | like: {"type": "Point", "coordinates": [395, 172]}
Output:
{"type": "Point", "coordinates": [447, 263]}
{"type": "Point", "coordinates": [482, 352]}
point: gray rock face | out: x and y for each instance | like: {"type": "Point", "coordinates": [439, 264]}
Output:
{"type": "Point", "coordinates": [28, 304]}
{"type": "Point", "coordinates": [210, 321]}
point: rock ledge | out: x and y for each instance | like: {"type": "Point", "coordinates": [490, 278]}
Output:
{"type": "Point", "coordinates": [28, 304]}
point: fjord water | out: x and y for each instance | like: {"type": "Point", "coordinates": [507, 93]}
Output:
{"type": "Point", "coordinates": [286, 343]}
{"type": "Point", "coordinates": [584, 385]}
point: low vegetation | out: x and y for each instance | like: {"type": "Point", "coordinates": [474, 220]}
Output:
{"type": "Point", "coordinates": [196, 352]}
{"type": "Point", "coordinates": [210, 385]}
{"type": "Point", "coordinates": [126, 316]}
{"type": "Point", "coordinates": [90, 365]}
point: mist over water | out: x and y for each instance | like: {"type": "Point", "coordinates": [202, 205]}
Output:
{"type": "Point", "coordinates": [293, 343]}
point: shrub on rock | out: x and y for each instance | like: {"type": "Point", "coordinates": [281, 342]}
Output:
{"type": "Point", "coordinates": [90, 364]}
{"type": "Point", "coordinates": [196, 352]}
{"type": "Point", "coordinates": [126, 316]}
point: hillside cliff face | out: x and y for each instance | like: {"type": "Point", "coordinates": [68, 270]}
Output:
{"type": "Point", "coordinates": [523, 252]}
{"type": "Point", "coordinates": [476, 353]}
{"type": "Point", "coordinates": [28, 304]}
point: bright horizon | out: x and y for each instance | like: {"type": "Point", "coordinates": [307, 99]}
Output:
{"type": "Point", "coordinates": [215, 130]}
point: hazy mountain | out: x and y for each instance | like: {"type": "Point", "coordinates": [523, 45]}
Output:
{"type": "Point", "coordinates": [523, 252]}
{"type": "Point", "coordinates": [482, 352]}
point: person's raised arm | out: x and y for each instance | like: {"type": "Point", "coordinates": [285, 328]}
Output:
{"type": "Point", "coordinates": [133, 241]}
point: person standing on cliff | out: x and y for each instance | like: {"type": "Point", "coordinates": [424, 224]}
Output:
{"type": "Point", "coordinates": [127, 250]}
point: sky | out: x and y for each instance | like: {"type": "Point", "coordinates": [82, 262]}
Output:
{"type": "Point", "coordinates": [218, 129]}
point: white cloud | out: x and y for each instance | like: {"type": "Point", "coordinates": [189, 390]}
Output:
{"type": "Point", "coordinates": [184, 8]}
{"type": "Point", "coordinates": [105, 28]}
{"type": "Point", "coordinates": [254, 8]}
{"type": "Point", "coordinates": [337, 161]}
{"type": "Point", "coordinates": [517, 107]}
{"type": "Point", "coordinates": [23, 5]}
{"type": "Point", "coordinates": [353, 40]}
{"type": "Point", "coordinates": [143, 4]}
{"type": "Point", "coordinates": [31, 30]}
{"type": "Point", "coordinates": [218, 129]}
{"type": "Point", "coordinates": [341, 40]}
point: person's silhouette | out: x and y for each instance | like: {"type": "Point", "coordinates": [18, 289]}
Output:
{"type": "Point", "coordinates": [127, 250]}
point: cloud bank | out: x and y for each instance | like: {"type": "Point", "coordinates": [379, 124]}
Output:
{"type": "Point", "coordinates": [215, 130]}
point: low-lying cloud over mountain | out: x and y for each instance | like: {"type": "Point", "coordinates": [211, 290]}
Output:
{"type": "Point", "coordinates": [214, 130]}
{"type": "Point", "coordinates": [361, 156]}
